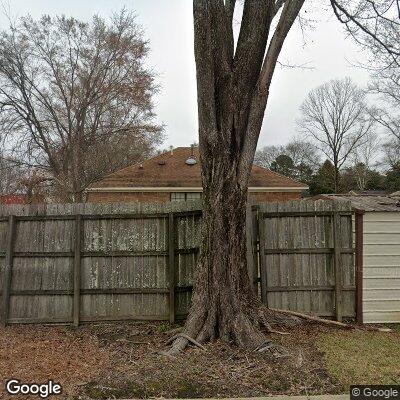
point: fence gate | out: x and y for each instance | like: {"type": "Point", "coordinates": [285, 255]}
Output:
{"type": "Point", "coordinates": [306, 257]}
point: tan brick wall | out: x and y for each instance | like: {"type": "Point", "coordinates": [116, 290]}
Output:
{"type": "Point", "coordinates": [115, 197]}
{"type": "Point", "coordinates": [161, 197]}
{"type": "Point", "coordinates": [264, 197]}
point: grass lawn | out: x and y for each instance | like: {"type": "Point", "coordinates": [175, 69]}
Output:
{"type": "Point", "coordinates": [121, 360]}
{"type": "Point", "coordinates": [362, 357]}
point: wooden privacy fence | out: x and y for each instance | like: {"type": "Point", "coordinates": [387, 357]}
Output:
{"type": "Point", "coordinates": [91, 262]}
{"type": "Point", "coordinates": [86, 262]}
{"type": "Point", "coordinates": [306, 257]}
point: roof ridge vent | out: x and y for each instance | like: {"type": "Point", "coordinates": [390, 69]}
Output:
{"type": "Point", "coordinates": [191, 161]}
{"type": "Point", "coordinates": [192, 158]}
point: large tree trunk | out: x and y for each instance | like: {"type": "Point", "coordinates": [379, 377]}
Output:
{"type": "Point", "coordinates": [232, 89]}
{"type": "Point", "coordinates": [224, 304]}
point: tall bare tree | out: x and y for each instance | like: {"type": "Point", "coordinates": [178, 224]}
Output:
{"type": "Point", "coordinates": [75, 97]}
{"type": "Point", "coordinates": [363, 159]}
{"type": "Point", "coordinates": [335, 116]}
{"type": "Point", "coordinates": [233, 83]}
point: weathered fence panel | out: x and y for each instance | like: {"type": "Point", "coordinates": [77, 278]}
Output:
{"type": "Point", "coordinates": [86, 262]}
{"type": "Point", "coordinates": [92, 262]}
{"type": "Point", "coordinates": [306, 257]}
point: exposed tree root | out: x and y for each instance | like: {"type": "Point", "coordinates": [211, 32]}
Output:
{"type": "Point", "coordinates": [245, 330]}
{"type": "Point", "coordinates": [315, 319]}
{"type": "Point", "coordinates": [191, 340]}
{"type": "Point", "coordinates": [188, 338]}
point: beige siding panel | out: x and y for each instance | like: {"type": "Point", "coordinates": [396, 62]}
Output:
{"type": "Point", "coordinates": [373, 305]}
{"type": "Point", "coordinates": [382, 271]}
{"type": "Point", "coordinates": [381, 316]}
{"type": "Point", "coordinates": [382, 283]}
{"type": "Point", "coordinates": [390, 238]}
{"type": "Point", "coordinates": [381, 260]}
{"type": "Point", "coordinates": [388, 227]}
{"type": "Point", "coordinates": [381, 292]}
{"type": "Point", "coordinates": [381, 250]}
{"type": "Point", "coordinates": [382, 216]}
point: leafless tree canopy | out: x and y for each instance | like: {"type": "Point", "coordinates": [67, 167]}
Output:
{"type": "Point", "coordinates": [300, 151]}
{"type": "Point", "coordinates": [75, 97]}
{"type": "Point", "coordinates": [375, 25]}
{"type": "Point", "coordinates": [335, 117]}
{"type": "Point", "coordinates": [364, 157]}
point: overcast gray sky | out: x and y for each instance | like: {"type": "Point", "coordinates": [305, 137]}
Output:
{"type": "Point", "coordinates": [168, 27]}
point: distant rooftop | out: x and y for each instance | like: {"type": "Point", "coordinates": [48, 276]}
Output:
{"type": "Point", "coordinates": [180, 167]}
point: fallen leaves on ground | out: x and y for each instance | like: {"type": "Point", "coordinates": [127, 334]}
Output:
{"type": "Point", "coordinates": [122, 360]}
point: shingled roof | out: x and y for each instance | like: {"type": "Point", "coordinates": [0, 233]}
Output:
{"type": "Point", "coordinates": [367, 203]}
{"type": "Point", "coordinates": [170, 170]}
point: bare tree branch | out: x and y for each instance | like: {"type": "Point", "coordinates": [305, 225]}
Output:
{"type": "Point", "coordinates": [76, 97]}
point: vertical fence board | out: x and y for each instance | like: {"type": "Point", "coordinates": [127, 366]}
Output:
{"type": "Point", "coordinates": [7, 275]}
{"type": "Point", "coordinates": [337, 266]}
{"type": "Point", "coordinates": [359, 241]}
{"type": "Point", "coordinates": [171, 262]}
{"type": "Point", "coordinates": [251, 242]}
{"type": "Point", "coordinates": [263, 272]}
{"type": "Point", "coordinates": [77, 269]}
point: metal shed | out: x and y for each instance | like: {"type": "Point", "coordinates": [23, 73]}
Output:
{"type": "Point", "coordinates": [377, 256]}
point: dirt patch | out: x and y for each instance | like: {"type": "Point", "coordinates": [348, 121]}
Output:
{"type": "Point", "coordinates": [121, 361]}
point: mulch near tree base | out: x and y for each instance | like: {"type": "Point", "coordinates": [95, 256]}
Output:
{"type": "Point", "coordinates": [122, 361]}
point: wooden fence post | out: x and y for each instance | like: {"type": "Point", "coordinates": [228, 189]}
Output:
{"type": "Point", "coordinates": [256, 249]}
{"type": "Point", "coordinates": [250, 245]}
{"type": "Point", "coordinates": [359, 262]}
{"type": "Point", "coordinates": [8, 264]}
{"type": "Point", "coordinates": [337, 259]}
{"type": "Point", "coordinates": [77, 269]}
{"type": "Point", "coordinates": [263, 266]}
{"type": "Point", "coordinates": [171, 267]}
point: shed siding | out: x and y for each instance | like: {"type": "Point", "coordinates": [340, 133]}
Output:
{"type": "Point", "coordinates": [381, 284]}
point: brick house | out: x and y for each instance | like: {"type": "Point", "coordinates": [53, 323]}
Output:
{"type": "Point", "coordinates": [20, 199]}
{"type": "Point", "coordinates": [175, 176]}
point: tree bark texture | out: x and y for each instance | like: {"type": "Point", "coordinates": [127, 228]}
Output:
{"type": "Point", "coordinates": [233, 87]}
